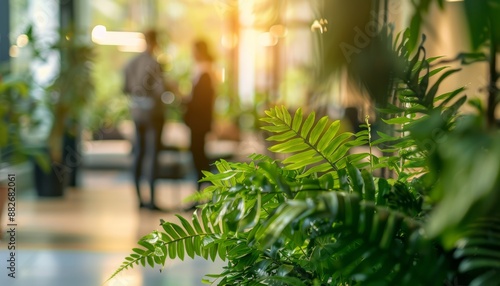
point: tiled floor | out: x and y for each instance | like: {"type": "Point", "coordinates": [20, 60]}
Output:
{"type": "Point", "coordinates": [82, 238]}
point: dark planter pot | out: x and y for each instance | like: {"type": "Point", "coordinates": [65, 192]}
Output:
{"type": "Point", "coordinates": [49, 182]}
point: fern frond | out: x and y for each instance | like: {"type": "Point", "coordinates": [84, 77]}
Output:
{"type": "Point", "coordinates": [416, 97]}
{"type": "Point", "coordinates": [176, 241]}
{"type": "Point", "coordinates": [310, 144]}
{"type": "Point", "coordinates": [478, 252]}
{"type": "Point", "coordinates": [380, 244]}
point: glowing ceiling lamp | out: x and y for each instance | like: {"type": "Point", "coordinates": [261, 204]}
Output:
{"type": "Point", "coordinates": [126, 41]}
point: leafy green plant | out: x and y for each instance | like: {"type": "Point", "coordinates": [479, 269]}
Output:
{"type": "Point", "coordinates": [16, 112]}
{"type": "Point", "coordinates": [13, 92]}
{"type": "Point", "coordinates": [311, 219]}
{"type": "Point", "coordinates": [412, 100]}
{"type": "Point", "coordinates": [322, 214]}
{"type": "Point", "coordinates": [66, 96]}
{"type": "Point", "coordinates": [316, 218]}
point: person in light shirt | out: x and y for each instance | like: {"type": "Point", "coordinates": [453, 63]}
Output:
{"type": "Point", "coordinates": [144, 84]}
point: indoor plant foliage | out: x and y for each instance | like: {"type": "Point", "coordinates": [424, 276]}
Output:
{"type": "Point", "coordinates": [68, 92]}
{"type": "Point", "coordinates": [281, 222]}
{"type": "Point", "coordinates": [323, 216]}
{"type": "Point", "coordinates": [15, 110]}
{"type": "Point", "coordinates": [62, 99]}
{"type": "Point", "coordinates": [16, 119]}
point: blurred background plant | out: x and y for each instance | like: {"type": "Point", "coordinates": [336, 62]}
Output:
{"type": "Point", "coordinates": [16, 114]}
{"type": "Point", "coordinates": [62, 101]}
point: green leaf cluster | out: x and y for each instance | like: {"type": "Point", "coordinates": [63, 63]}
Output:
{"type": "Point", "coordinates": [309, 221]}
{"type": "Point", "coordinates": [317, 213]}
{"type": "Point", "coordinates": [276, 222]}
{"type": "Point", "coordinates": [16, 117]}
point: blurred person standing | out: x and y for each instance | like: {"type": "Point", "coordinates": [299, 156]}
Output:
{"type": "Point", "coordinates": [144, 84]}
{"type": "Point", "coordinates": [199, 108]}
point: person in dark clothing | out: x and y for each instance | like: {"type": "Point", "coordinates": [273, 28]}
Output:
{"type": "Point", "coordinates": [144, 83]}
{"type": "Point", "coordinates": [199, 110]}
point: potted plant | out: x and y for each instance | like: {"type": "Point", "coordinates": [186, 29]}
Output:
{"type": "Point", "coordinates": [16, 110]}
{"type": "Point", "coordinates": [65, 99]}
{"type": "Point", "coordinates": [324, 216]}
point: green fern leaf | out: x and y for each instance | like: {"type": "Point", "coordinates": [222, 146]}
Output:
{"type": "Point", "coordinates": [315, 144]}
{"type": "Point", "coordinates": [283, 137]}
{"type": "Point", "coordinates": [205, 253]}
{"type": "Point", "coordinates": [356, 179]}
{"type": "Point", "coordinates": [172, 251]}
{"type": "Point", "coordinates": [252, 217]}
{"type": "Point", "coordinates": [216, 228]}
{"type": "Point", "coordinates": [196, 223]}
{"type": "Point", "coordinates": [398, 120]}
{"type": "Point", "coordinates": [179, 230]}
{"type": "Point", "coordinates": [478, 250]}
{"type": "Point", "coordinates": [429, 98]}
{"type": "Point", "coordinates": [333, 146]}
{"type": "Point", "coordinates": [168, 227]}
{"type": "Point", "coordinates": [446, 97]}
{"type": "Point", "coordinates": [275, 128]}
{"type": "Point", "coordinates": [150, 261]}
{"type": "Point", "coordinates": [286, 115]}
{"type": "Point", "coordinates": [180, 249]}
{"type": "Point", "coordinates": [268, 234]}
{"type": "Point", "coordinates": [437, 70]}
{"type": "Point", "coordinates": [222, 251]}
{"type": "Point", "coordinates": [223, 176]}
{"type": "Point", "coordinates": [306, 127]}
{"type": "Point", "coordinates": [301, 164]}
{"type": "Point", "coordinates": [278, 112]}
{"type": "Point", "coordinates": [297, 120]}
{"type": "Point", "coordinates": [321, 168]}
{"type": "Point", "coordinates": [318, 130]}
{"type": "Point", "coordinates": [291, 146]}
{"type": "Point", "coordinates": [164, 250]}
{"type": "Point", "coordinates": [197, 245]}
{"type": "Point", "coordinates": [138, 251]}
{"type": "Point", "coordinates": [205, 221]}
{"type": "Point", "coordinates": [145, 242]}
{"type": "Point", "coordinates": [369, 184]}
{"type": "Point", "coordinates": [158, 260]}
{"type": "Point", "coordinates": [329, 135]}
{"type": "Point", "coordinates": [338, 154]}
{"type": "Point", "coordinates": [214, 251]}
{"type": "Point", "coordinates": [300, 160]}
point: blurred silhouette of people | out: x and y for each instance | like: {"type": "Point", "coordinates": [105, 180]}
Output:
{"type": "Point", "coordinates": [199, 109]}
{"type": "Point", "coordinates": [144, 83]}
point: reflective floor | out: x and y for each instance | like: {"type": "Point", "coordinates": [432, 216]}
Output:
{"type": "Point", "coordinates": [82, 238]}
